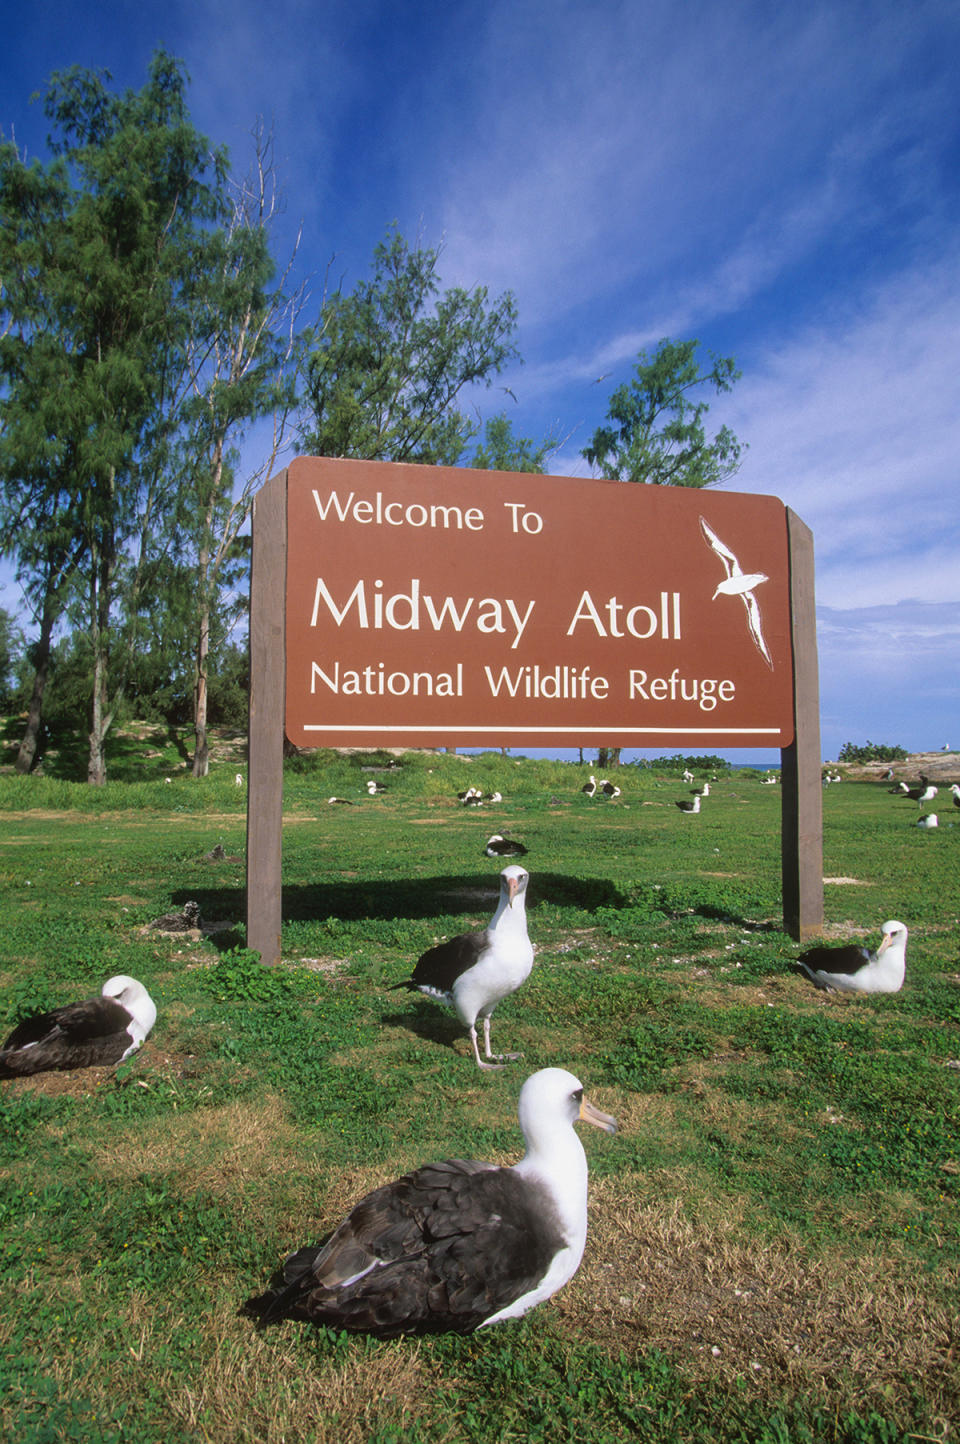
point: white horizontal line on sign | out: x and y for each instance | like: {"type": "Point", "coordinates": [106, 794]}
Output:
{"type": "Point", "coordinates": [559, 731]}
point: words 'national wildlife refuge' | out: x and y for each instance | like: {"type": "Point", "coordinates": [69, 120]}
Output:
{"type": "Point", "coordinates": [439, 606]}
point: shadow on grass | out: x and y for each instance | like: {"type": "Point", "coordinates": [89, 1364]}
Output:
{"type": "Point", "coordinates": [433, 1022]}
{"type": "Point", "coordinates": [469, 894]}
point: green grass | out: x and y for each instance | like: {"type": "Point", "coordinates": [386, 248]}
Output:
{"type": "Point", "coordinates": [774, 1246]}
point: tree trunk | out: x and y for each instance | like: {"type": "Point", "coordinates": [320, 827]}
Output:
{"type": "Point", "coordinates": [201, 751]}
{"type": "Point", "coordinates": [608, 757]}
{"type": "Point", "coordinates": [27, 752]}
{"type": "Point", "coordinates": [96, 758]}
{"type": "Point", "coordinates": [101, 714]}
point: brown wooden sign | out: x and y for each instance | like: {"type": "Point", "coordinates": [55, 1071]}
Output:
{"type": "Point", "coordinates": [436, 606]}
{"type": "Point", "coordinates": [429, 606]}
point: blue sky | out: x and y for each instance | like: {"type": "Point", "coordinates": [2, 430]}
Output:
{"type": "Point", "coordinates": [781, 181]}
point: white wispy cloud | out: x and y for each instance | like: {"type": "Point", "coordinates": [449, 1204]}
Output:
{"type": "Point", "coordinates": [691, 158]}
{"type": "Point", "coordinates": [854, 423]}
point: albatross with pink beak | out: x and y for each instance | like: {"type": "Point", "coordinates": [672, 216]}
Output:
{"type": "Point", "coordinates": [473, 971]}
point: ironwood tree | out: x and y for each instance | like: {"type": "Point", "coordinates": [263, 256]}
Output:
{"type": "Point", "coordinates": [655, 432]}
{"type": "Point", "coordinates": [242, 349]}
{"type": "Point", "coordinates": [501, 450]}
{"type": "Point", "coordinates": [99, 250]}
{"type": "Point", "coordinates": [386, 365]}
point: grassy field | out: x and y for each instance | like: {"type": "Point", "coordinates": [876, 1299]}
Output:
{"type": "Point", "coordinates": [773, 1251]}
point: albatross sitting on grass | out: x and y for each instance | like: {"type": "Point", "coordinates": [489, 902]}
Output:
{"type": "Point", "coordinates": [500, 846]}
{"type": "Point", "coordinates": [689, 808]}
{"type": "Point", "coordinates": [473, 971]}
{"type": "Point", "coordinates": [853, 969]}
{"type": "Point", "coordinates": [92, 1033]}
{"type": "Point", "coordinates": [455, 1246]}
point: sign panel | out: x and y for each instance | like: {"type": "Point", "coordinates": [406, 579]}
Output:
{"type": "Point", "coordinates": [434, 606]}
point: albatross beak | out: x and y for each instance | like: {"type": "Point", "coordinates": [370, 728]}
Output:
{"type": "Point", "coordinates": [590, 1114]}
{"type": "Point", "coordinates": [887, 940]}
{"type": "Point", "coordinates": [513, 887]}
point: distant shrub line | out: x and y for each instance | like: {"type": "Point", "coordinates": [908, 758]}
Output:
{"type": "Point", "coordinates": [870, 752]}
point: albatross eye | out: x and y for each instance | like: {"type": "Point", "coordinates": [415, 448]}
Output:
{"type": "Point", "coordinates": [577, 1096]}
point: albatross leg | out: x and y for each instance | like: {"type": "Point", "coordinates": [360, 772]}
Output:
{"type": "Point", "coordinates": [500, 1058]}
{"type": "Point", "coordinates": [476, 1050]}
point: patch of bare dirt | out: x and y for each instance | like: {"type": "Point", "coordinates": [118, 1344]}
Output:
{"type": "Point", "coordinates": [765, 1313]}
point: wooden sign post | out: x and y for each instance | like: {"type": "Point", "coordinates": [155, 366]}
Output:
{"type": "Point", "coordinates": [441, 607]}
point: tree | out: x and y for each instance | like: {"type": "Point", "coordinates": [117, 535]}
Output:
{"type": "Point", "coordinates": [99, 252]}
{"type": "Point", "coordinates": [655, 432]}
{"type": "Point", "coordinates": [243, 352]}
{"type": "Point", "coordinates": [500, 450]}
{"type": "Point", "coordinates": [386, 364]}
{"type": "Point", "coordinates": [11, 646]}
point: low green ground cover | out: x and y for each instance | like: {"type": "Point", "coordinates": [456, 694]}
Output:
{"type": "Point", "coordinates": [773, 1252]}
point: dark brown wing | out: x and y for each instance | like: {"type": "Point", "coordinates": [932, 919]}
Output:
{"type": "Point", "coordinates": [439, 1250]}
{"type": "Point", "coordinates": [79, 1035]}
{"type": "Point", "coordinates": [849, 959]}
{"type": "Point", "coordinates": [440, 967]}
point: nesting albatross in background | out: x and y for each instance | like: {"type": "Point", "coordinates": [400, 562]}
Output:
{"type": "Point", "coordinates": [689, 808]}
{"type": "Point", "coordinates": [473, 971]}
{"type": "Point", "coordinates": [93, 1033]}
{"type": "Point", "coordinates": [500, 846]}
{"type": "Point", "coordinates": [854, 969]}
{"type": "Point", "coordinates": [455, 1246]}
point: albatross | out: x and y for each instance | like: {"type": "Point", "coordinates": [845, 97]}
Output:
{"type": "Point", "coordinates": [92, 1033]}
{"type": "Point", "coordinates": [473, 971]}
{"type": "Point", "coordinates": [854, 969]}
{"type": "Point", "coordinates": [500, 846]}
{"type": "Point", "coordinates": [458, 1245]}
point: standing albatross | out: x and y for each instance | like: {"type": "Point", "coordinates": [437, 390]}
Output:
{"type": "Point", "coordinates": [854, 969]}
{"type": "Point", "coordinates": [455, 1246]}
{"type": "Point", "coordinates": [89, 1034]}
{"type": "Point", "coordinates": [473, 971]}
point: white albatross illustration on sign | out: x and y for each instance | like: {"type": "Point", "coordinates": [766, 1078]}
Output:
{"type": "Point", "coordinates": [739, 583]}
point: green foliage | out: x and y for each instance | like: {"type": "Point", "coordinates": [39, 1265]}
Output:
{"type": "Point", "coordinates": [678, 763]}
{"type": "Point", "coordinates": [98, 252]}
{"type": "Point", "coordinates": [238, 974]}
{"type": "Point", "coordinates": [387, 362]}
{"type": "Point", "coordinates": [870, 752]}
{"type": "Point", "coordinates": [11, 647]}
{"type": "Point", "coordinates": [655, 432]}
{"type": "Point", "coordinates": [500, 450]}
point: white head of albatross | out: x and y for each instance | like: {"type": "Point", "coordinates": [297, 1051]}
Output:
{"type": "Point", "coordinates": [96, 1032]}
{"type": "Point", "coordinates": [475, 970]}
{"type": "Point", "coordinates": [854, 969]}
{"type": "Point", "coordinates": [455, 1246]}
